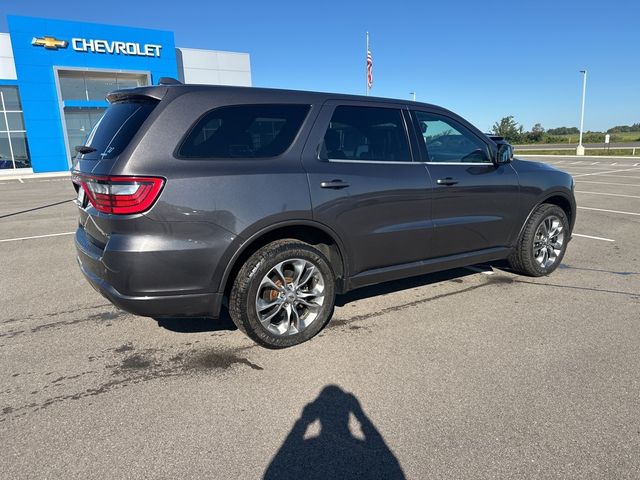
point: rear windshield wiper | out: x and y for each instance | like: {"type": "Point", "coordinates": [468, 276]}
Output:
{"type": "Point", "coordinates": [84, 149]}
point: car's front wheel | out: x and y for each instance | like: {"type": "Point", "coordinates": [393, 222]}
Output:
{"type": "Point", "coordinates": [284, 294]}
{"type": "Point", "coordinates": [542, 243]}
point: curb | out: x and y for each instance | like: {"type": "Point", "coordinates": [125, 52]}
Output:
{"type": "Point", "coordinates": [19, 177]}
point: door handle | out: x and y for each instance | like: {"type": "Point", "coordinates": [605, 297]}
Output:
{"type": "Point", "coordinates": [446, 181]}
{"type": "Point", "coordinates": [336, 184]}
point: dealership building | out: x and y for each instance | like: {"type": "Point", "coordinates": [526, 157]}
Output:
{"type": "Point", "coordinates": [55, 75]}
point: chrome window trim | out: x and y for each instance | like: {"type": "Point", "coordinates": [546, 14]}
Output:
{"type": "Point", "coordinates": [458, 163]}
{"type": "Point", "coordinates": [403, 162]}
{"type": "Point", "coordinates": [382, 162]}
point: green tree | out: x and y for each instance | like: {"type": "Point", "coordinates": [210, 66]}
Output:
{"type": "Point", "coordinates": [537, 133]}
{"type": "Point", "coordinates": [625, 128]}
{"type": "Point", "coordinates": [508, 128]}
{"type": "Point", "coordinates": [563, 131]}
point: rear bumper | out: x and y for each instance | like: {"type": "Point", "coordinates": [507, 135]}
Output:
{"type": "Point", "coordinates": [147, 304]}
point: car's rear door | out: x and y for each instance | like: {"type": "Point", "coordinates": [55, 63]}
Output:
{"type": "Point", "coordinates": [366, 186]}
{"type": "Point", "coordinates": [475, 202]}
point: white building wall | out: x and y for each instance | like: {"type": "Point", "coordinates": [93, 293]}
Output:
{"type": "Point", "coordinates": [212, 67]}
{"type": "Point", "coordinates": [7, 65]}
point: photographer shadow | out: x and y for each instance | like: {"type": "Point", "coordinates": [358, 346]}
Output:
{"type": "Point", "coordinates": [335, 452]}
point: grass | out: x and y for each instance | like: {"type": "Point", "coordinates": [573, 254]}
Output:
{"type": "Point", "coordinates": [615, 137]}
{"type": "Point", "coordinates": [589, 137]}
{"type": "Point", "coordinates": [625, 137]}
{"type": "Point", "coordinates": [626, 152]}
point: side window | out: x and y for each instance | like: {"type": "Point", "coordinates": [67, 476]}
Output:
{"type": "Point", "coordinates": [247, 131]}
{"type": "Point", "coordinates": [447, 141]}
{"type": "Point", "coordinates": [366, 133]}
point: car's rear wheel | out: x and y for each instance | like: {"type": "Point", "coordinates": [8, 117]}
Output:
{"type": "Point", "coordinates": [284, 294]}
{"type": "Point", "coordinates": [542, 243]}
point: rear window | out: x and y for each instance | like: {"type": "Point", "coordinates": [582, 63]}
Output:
{"type": "Point", "coordinates": [244, 131]}
{"type": "Point", "coordinates": [116, 128]}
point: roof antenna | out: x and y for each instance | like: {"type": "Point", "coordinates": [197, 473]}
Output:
{"type": "Point", "coordinates": [169, 81]}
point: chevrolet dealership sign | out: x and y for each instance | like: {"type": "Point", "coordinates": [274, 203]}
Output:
{"type": "Point", "coordinates": [116, 48]}
{"type": "Point", "coordinates": [100, 46]}
{"type": "Point", "coordinates": [50, 43]}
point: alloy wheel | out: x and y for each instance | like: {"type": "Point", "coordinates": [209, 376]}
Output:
{"type": "Point", "coordinates": [290, 297]}
{"type": "Point", "coordinates": [548, 241]}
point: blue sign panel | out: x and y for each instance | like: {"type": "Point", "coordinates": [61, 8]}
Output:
{"type": "Point", "coordinates": [41, 47]}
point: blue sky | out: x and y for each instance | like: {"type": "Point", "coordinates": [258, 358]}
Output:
{"type": "Point", "coordinates": [484, 60]}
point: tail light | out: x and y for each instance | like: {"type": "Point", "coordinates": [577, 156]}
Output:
{"type": "Point", "coordinates": [120, 195]}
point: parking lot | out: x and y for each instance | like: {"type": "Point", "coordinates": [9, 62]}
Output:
{"type": "Point", "coordinates": [470, 373]}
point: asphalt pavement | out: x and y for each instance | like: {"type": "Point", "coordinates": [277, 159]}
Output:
{"type": "Point", "coordinates": [471, 373]}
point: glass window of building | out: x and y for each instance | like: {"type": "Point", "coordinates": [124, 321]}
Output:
{"type": "Point", "coordinates": [95, 85]}
{"type": "Point", "coordinates": [72, 86]}
{"type": "Point", "coordinates": [15, 121]}
{"type": "Point", "coordinates": [90, 86]}
{"type": "Point", "coordinates": [11, 98]}
{"type": "Point", "coordinates": [99, 84]}
{"type": "Point", "coordinates": [14, 149]}
{"type": "Point", "coordinates": [80, 123]}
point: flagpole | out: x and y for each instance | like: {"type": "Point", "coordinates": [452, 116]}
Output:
{"type": "Point", "coordinates": [366, 69]}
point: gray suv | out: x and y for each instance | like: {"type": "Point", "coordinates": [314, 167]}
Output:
{"type": "Point", "coordinates": [274, 201]}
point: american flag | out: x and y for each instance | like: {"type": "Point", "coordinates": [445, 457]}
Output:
{"type": "Point", "coordinates": [369, 69]}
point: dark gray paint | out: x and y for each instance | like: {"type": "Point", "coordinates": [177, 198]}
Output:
{"type": "Point", "coordinates": [392, 221]}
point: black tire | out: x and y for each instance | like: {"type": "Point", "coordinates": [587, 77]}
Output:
{"type": "Point", "coordinates": [242, 301]}
{"type": "Point", "coordinates": [522, 259]}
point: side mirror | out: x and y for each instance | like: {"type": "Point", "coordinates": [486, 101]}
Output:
{"type": "Point", "coordinates": [504, 154]}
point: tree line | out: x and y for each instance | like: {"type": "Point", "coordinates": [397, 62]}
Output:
{"type": "Point", "coordinates": [514, 133]}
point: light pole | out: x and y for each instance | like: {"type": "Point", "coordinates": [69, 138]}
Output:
{"type": "Point", "coordinates": [580, 149]}
{"type": "Point", "coordinates": [414, 95]}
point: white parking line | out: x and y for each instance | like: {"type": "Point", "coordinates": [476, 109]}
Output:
{"type": "Point", "coordinates": [610, 211]}
{"type": "Point", "coordinates": [610, 183]}
{"type": "Point", "coordinates": [592, 237]}
{"type": "Point", "coordinates": [575, 173]}
{"type": "Point", "coordinates": [596, 167]}
{"type": "Point", "coordinates": [36, 236]}
{"type": "Point", "coordinates": [593, 165]}
{"type": "Point", "coordinates": [608, 171]}
{"type": "Point", "coordinates": [608, 194]}
{"type": "Point", "coordinates": [617, 176]}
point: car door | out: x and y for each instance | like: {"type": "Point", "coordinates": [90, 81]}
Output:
{"type": "Point", "coordinates": [366, 186]}
{"type": "Point", "coordinates": [475, 202]}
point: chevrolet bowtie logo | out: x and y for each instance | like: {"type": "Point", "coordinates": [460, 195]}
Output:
{"type": "Point", "coordinates": [50, 43]}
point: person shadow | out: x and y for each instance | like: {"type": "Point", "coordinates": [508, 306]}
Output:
{"type": "Point", "coordinates": [335, 452]}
